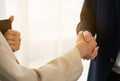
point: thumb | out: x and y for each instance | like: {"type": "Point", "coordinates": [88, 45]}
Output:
{"type": "Point", "coordinates": [87, 36]}
{"type": "Point", "coordinates": [11, 18]}
{"type": "Point", "coordinates": [80, 36]}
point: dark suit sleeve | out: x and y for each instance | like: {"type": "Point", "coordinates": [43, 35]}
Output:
{"type": "Point", "coordinates": [5, 25]}
{"type": "Point", "coordinates": [88, 17]}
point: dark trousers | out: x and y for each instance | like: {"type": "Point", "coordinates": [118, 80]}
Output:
{"type": "Point", "coordinates": [114, 77]}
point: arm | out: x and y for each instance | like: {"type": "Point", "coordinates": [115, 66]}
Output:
{"type": "Point", "coordinates": [12, 71]}
{"type": "Point", "coordinates": [88, 22]}
{"type": "Point", "coordinates": [65, 68]}
{"type": "Point", "coordinates": [88, 17]}
{"type": "Point", "coordinates": [68, 67]}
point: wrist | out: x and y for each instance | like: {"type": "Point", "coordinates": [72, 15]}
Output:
{"type": "Point", "coordinates": [79, 47]}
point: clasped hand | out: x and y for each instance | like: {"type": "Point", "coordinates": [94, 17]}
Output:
{"type": "Point", "coordinates": [13, 38]}
{"type": "Point", "coordinates": [87, 45]}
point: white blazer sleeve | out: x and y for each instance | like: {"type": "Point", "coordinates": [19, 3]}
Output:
{"type": "Point", "coordinates": [65, 68]}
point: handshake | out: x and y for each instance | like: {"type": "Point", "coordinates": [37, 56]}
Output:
{"type": "Point", "coordinates": [87, 46]}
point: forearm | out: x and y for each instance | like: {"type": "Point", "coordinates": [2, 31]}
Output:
{"type": "Point", "coordinates": [87, 17]}
{"type": "Point", "coordinates": [65, 68]}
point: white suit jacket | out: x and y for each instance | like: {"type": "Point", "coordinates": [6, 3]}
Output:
{"type": "Point", "coordinates": [64, 68]}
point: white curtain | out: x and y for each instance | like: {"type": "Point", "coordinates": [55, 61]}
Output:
{"type": "Point", "coordinates": [18, 8]}
{"type": "Point", "coordinates": [52, 25]}
{"type": "Point", "coordinates": [2, 9]}
{"type": "Point", "coordinates": [48, 29]}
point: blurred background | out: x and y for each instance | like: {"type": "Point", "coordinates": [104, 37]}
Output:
{"type": "Point", "coordinates": [48, 29]}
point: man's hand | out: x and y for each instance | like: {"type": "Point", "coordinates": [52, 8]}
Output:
{"type": "Point", "coordinates": [87, 45]}
{"type": "Point", "coordinates": [88, 36]}
{"type": "Point", "coordinates": [13, 38]}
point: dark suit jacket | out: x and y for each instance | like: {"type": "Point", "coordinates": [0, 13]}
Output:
{"type": "Point", "coordinates": [102, 17]}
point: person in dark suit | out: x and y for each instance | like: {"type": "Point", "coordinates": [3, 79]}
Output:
{"type": "Point", "coordinates": [102, 17]}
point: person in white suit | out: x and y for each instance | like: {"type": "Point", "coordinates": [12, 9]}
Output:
{"type": "Point", "coordinates": [64, 68]}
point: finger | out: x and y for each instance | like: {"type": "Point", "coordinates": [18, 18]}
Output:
{"type": "Point", "coordinates": [86, 57]}
{"type": "Point", "coordinates": [87, 36]}
{"type": "Point", "coordinates": [94, 54]}
{"type": "Point", "coordinates": [12, 37]}
{"type": "Point", "coordinates": [12, 32]}
{"type": "Point", "coordinates": [80, 36]}
{"type": "Point", "coordinates": [16, 43]}
{"type": "Point", "coordinates": [10, 42]}
{"type": "Point", "coordinates": [14, 48]}
{"type": "Point", "coordinates": [11, 18]}
{"type": "Point", "coordinates": [92, 44]}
